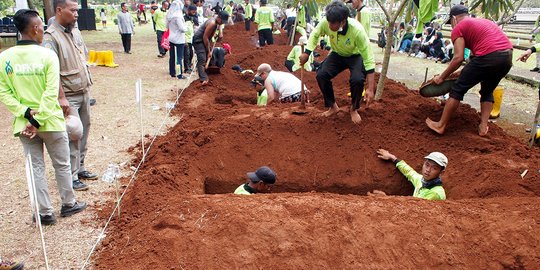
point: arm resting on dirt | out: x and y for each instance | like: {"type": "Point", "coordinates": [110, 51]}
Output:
{"type": "Point", "coordinates": [409, 173]}
{"type": "Point", "coordinates": [459, 50]}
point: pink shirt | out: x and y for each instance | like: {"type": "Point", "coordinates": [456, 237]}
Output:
{"type": "Point", "coordinates": [481, 36]}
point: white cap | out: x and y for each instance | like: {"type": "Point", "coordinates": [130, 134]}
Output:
{"type": "Point", "coordinates": [438, 158]}
{"type": "Point", "coordinates": [302, 40]}
{"type": "Point", "coordinates": [74, 128]}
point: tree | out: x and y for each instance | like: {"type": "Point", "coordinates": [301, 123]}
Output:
{"type": "Point", "coordinates": [49, 9]}
{"type": "Point", "coordinates": [500, 11]}
{"type": "Point", "coordinates": [391, 17]}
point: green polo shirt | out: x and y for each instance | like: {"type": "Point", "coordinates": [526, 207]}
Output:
{"type": "Point", "coordinates": [228, 8]}
{"type": "Point", "coordinates": [189, 32]}
{"type": "Point", "coordinates": [354, 41]}
{"type": "Point", "coordinates": [244, 189]}
{"type": "Point", "coordinates": [294, 56]}
{"type": "Point", "coordinates": [248, 9]}
{"type": "Point", "coordinates": [264, 17]}
{"type": "Point", "coordinates": [435, 193]}
{"type": "Point", "coordinates": [29, 78]}
{"type": "Point", "coordinates": [160, 20]}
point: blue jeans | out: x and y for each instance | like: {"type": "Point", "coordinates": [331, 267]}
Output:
{"type": "Point", "coordinates": [405, 45]}
{"type": "Point", "coordinates": [176, 53]}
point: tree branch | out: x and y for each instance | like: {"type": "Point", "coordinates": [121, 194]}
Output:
{"type": "Point", "coordinates": [503, 20]}
{"type": "Point", "coordinates": [385, 11]}
{"type": "Point", "coordinates": [400, 9]}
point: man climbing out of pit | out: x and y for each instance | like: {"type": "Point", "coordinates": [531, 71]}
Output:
{"type": "Point", "coordinates": [282, 86]}
{"type": "Point", "coordinates": [427, 185]}
{"type": "Point", "coordinates": [350, 49]}
{"type": "Point", "coordinates": [491, 62]}
{"type": "Point", "coordinates": [260, 181]}
{"type": "Point", "coordinates": [201, 42]}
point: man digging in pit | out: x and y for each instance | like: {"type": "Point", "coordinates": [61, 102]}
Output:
{"type": "Point", "coordinates": [427, 185]}
{"type": "Point", "coordinates": [491, 62]}
{"type": "Point", "coordinates": [260, 181]}
{"type": "Point", "coordinates": [350, 49]}
{"type": "Point", "coordinates": [282, 86]}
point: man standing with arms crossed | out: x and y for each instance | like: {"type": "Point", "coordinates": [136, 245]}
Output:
{"type": "Point", "coordinates": [350, 50]}
{"type": "Point", "coordinates": [29, 79]}
{"type": "Point", "coordinates": [75, 81]}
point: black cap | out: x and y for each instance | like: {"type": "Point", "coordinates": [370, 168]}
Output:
{"type": "Point", "coordinates": [458, 10]}
{"type": "Point", "coordinates": [264, 174]}
{"type": "Point", "coordinates": [224, 15]}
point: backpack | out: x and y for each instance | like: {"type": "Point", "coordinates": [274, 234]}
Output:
{"type": "Point", "coordinates": [381, 40]}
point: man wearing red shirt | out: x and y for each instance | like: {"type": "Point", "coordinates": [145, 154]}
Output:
{"type": "Point", "coordinates": [491, 62]}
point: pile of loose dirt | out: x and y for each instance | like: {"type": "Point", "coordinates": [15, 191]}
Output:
{"type": "Point", "coordinates": [169, 220]}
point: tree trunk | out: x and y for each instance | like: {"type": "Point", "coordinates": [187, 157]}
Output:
{"type": "Point", "coordinates": [49, 9]}
{"type": "Point", "coordinates": [386, 61]}
{"type": "Point", "coordinates": [31, 5]}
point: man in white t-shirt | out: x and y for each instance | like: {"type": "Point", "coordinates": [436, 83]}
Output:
{"type": "Point", "coordinates": [281, 86]}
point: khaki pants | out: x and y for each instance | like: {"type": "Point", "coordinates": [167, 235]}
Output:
{"type": "Point", "coordinates": [79, 106]}
{"type": "Point", "coordinates": [57, 146]}
{"type": "Point", "coordinates": [538, 59]}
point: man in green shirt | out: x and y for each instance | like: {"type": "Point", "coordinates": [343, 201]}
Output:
{"type": "Point", "coordinates": [160, 22]}
{"type": "Point", "coordinates": [29, 81]}
{"type": "Point", "coordinates": [350, 50]}
{"type": "Point", "coordinates": [229, 9]}
{"type": "Point", "coordinates": [264, 18]}
{"type": "Point", "coordinates": [427, 185]}
{"type": "Point", "coordinates": [248, 13]}
{"type": "Point", "coordinates": [362, 14]}
{"type": "Point", "coordinates": [260, 181]}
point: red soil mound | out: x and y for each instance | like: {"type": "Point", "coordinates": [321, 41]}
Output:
{"type": "Point", "coordinates": [167, 222]}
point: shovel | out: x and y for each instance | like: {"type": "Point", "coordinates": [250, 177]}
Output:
{"type": "Point", "coordinates": [302, 109]}
{"type": "Point", "coordinates": [212, 69]}
{"type": "Point", "coordinates": [536, 120]}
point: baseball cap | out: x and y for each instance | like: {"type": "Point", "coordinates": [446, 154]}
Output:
{"type": "Point", "coordinates": [438, 158]}
{"type": "Point", "coordinates": [302, 40]}
{"type": "Point", "coordinates": [264, 174]}
{"type": "Point", "coordinates": [457, 10]}
{"type": "Point", "coordinates": [227, 47]}
{"type": "Point", "coordinates": [74, 127]}
{"type": "Point", "coordinates": [264, 67]}
{"type": "Point", "coordinates": [224, 15]}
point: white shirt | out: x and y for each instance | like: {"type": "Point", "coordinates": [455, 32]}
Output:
{"type": "Point", "coordinates": [290, 12]}
{"type": "Point", "coordinates": [285, 83]}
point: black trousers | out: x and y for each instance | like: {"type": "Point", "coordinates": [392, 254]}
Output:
{"type": "Point", "coordinates": [176, 54]}
{"type": "Point", "coordinates": [126, 42]}
{"type": "Point", "coordinates": [265, 37]}
{"type": "Point", "coordinates": [161, 50]}
{"type": "Point", "coordinates": [331, 67]}
{"type": "Point", "coordinates": [289, 65]}
{"type": "Point", "coordinates": [202, 54]}
{"type": "Point", "coordinates": [248, 23]}
{"type": "Point", "coordinates": [488, 70]}
{"type": "Point", "coordinates": [188, 56]}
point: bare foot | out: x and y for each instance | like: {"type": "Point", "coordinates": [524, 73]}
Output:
{"type": "Point", "coordinates": [204, 82]}
{"type": "Point", "coordinates": [333, 110]}
{"type": "Point", "coordinates": [435, 126]}
{"type": "Point", "coordinates": [355, 117]}
{"type": "Point", "coordinates": [483, 130]}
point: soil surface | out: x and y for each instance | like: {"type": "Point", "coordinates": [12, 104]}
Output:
{"type": "Point", "coordinates": [179, 214]}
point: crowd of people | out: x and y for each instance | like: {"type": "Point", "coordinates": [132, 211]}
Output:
{"type": "Point", "coordinates": [46, 83]}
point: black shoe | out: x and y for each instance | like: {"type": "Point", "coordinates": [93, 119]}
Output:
{"type": "Point", "coordinates": [188, 71]}
{"type": "Point", "coordinates": [79, 186]}
{"type": "Point", "coordinates": [67, 211]}
{"type": "Point", "coordinates": [181, 77]}
{"type": "Point", "coordinates": [92, 102]}
{"type": "Point", "coordinates": [88, 175]}
{"type": "Point", "coordinates": [161, 55]}
{"type": "Point", "coordinates": [45, 219]}
{"type": "Point", "coordinates": [536, 69]}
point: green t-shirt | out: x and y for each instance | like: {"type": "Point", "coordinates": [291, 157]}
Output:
{"type": "Point", "coordinates": [294, 56]}
{"type": "Point", "coordinates": [262, 98]}
{"type": "Point", "coordinates": [354, 42]}
{"type": "Point", "coordinates": [228, 8]}
{"type": "Point", "coordinates": [248, 9]}
{"type": "Point", "coordinates": [29, 78]}
{"type": "Point", "coordinates": [160, 19]}
{"type": "Point", "coordinates": [189, 32]}
{"type": "Point", "coordinates": [243, 190]}
{"type": "Point", "coordinates": [264, 17]}
{"type": "Point", "coordinates": [435, 193]}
